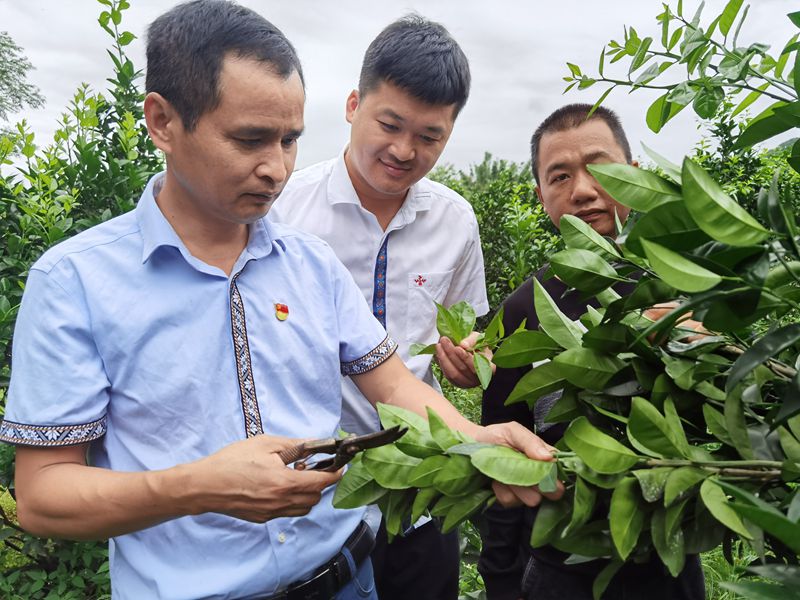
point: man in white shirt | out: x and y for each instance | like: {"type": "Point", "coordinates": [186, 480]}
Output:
{"type": "Point", "coordinates": [406, 240]}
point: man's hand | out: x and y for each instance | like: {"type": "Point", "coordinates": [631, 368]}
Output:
{"type": "Point", "coordinates": [246, 480]}
{"type": "Point", "coordinates": [685, 322]}
{"type": "Point", "coordinates": [456, 361]}
{"type": "Point", "coordinates": [519, 438]}
{"type": "Point", "coordinates": [249, 481]}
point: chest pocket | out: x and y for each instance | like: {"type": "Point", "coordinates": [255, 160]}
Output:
{"type": "Point", "coordinates": [423, 290]}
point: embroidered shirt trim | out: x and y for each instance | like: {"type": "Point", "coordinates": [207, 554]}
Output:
{"type": "Point", "coordinates": [51, 435]}
{"type": "Point", "coordinates": [244, 370]}
{"type": "Point", "coordinates": [379, 286]}
{"type": "Point", "coordinates": [372, 359]}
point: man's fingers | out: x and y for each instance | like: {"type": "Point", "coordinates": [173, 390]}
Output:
{"type": "Point", "coordinates": [513, 495]}
{"type": "Point", "coordinates": [468, 343]}
{"type": "Point", "coordinates": [520, 438]}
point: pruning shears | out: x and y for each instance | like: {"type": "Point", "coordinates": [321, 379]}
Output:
{"type": "Point", "coordinates": [343, 449]}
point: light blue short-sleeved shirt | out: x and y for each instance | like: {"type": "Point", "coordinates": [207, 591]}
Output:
{"type": "Point", "coordinates": [127, 341]}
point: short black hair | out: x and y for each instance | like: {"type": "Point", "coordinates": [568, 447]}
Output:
{"type": "Point", "coordinates": [572, 116]}
{"type": "Point", "coordinates": [187, 45]}
{"type": "Point", "coordinates": [420, 57]}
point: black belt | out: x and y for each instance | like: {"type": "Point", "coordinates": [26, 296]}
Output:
{"type": "Point", "coordinates": [331, 577]}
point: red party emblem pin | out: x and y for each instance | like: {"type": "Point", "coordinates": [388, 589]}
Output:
{"type": "Point", "coordinates": [281, 311]}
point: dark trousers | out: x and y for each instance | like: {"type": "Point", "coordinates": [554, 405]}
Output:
{"type": "Point", "coordinates": [543, 581]}
{"type": "Point", "coordinates": [422, 565]}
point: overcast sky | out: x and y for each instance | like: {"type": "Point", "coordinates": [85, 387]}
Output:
{"type": "Point", "coordinates": [517, 51]}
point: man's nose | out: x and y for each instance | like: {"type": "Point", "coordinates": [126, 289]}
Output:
{"type": "Point", "coordinates": [273, 165]}
{"type": "Point", "coordinates": [584, 188]}
{"type": "Point", "coordinates": [402, 149]}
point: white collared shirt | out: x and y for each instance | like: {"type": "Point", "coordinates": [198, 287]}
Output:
{"type": "Point", "coordinates": [432, 253]}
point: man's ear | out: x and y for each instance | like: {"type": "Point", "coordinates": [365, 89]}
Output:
{"type": "Point", "coordinates": [162, 121]}
{"type": "Point", "coordinates": [351, 105]}
{"type": "Point", "coordinates": [539, 195]}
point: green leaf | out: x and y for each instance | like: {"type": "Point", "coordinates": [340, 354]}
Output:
{"type": "Point", "coordinates": [677, 271]}
{"type": "Point", "coordinates": [425, 498]}
{"type": "Point", "coordinates": [494, 330]}
{"type": "Point", "coordinates": [626, 516]}
{"type": "Point", "coordinates": [669, 225]}
{"type": "Point", "coordinates": [583, 270]}
{"type": "Point", "coordinates": [737, 426]}
{"type": "Point", "coordinates": [715, 212]}
{"type": "Point", "coordinates": [649, 432]}
{"type": "Point", "coordinates": [652, 482]}
{"type": "Point", "coordinates": [357, 487]}
{"type": "Point", "coordinates": [582, 506]}
{"type": "Point", "coordinates": [509, 466]}
{"type": "Point", "coordinates": [662, 110]}
{"type": "Point", "coordinates": [681, 482]}
{"type": "Point", "coordinates": [126, 38]}
{"type": "Point", "coordinates": [789, 444]}
{"type": "Point", "coordinates": [441, 433]}
{"type": "Point", "coordinates": [758, 590]}
{"type": "Point", "coordinates": [633, 187]}
{"type": "Point", "coordinates": [537, 382]}
{"type": "Point", "coordinates": [552, 321]}
{"type": "Point", "coordinates": [587, 368]}
{"type": "Point", "coordinates": [483, 368]}
{"type": "Point", "coordinates": [764, 515]}
{"type": "Point", "coordinates": [396, 508]}
{"type": "Point", "coordinates": [669, 544]}
{"type": "Point", "coordinates": [465, 508]}
{"type": "Point", "coordinates": [717, 503]}
{"type": "Point", "coordinates": [641, 55]}
{"type": "Point", "coordinates": [729, 15]}
{"type": "Point", "coordinates": [604, 577]}
{"type": "Point", "coordinates": [764, 349]}
{"type": "Point", "coordinates": [389, 466]}
{"type": "Point", "coordinates": [599, 451]}
{"type": "Point", "coordinates": [577, 233]}
{"type": "Point", "coordinates": [749, 99]}
{"type": "Point", "coordinates": [456, 322]}
{"type": "Point", "coordinates": [715, 421]}
{"type": "Point", "coordinates": [424, 474]}
{"type": "Point", "coordinates": [707, 101]}
{"type": "Point", "coordinates": [523, 348]}
{"type": "Point", "coordinates": [393, 415]}
{"type": "Point", "coordinates": [416, 349]}
{"type": "Point", "coordinates": [763, 126]}
{"type": "Point", "coordinates": [458, 477]}
{"type": "Point", "coordinates": [549, 518]}
{"type": "Point", "coordinates": [469, 448]}
{"type": "Point", "coordinates": [418, 444]}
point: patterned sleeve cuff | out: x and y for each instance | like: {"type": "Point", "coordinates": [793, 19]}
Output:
{"type": "Point", "coordinates": [21, 434]}
{"type": "Point", "coordinates": [372, 359]}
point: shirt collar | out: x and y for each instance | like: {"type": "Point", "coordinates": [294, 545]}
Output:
{"type": "Point", "coordinates": [157, 232]}
{"type": "Point", "coordinates": [341, 190]}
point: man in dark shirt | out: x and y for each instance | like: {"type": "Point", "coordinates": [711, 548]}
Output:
{"type": "Point", "coordinates": [561, 147]}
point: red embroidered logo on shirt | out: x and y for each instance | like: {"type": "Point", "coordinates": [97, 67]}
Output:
{"type": "Point", "coordinates": [420, 280]}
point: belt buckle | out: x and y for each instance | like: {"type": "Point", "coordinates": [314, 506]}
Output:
{"type": "Point", "coordinates": [322, 586]}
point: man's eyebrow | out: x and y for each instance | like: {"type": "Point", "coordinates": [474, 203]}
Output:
{"type": "Point", "coordinates": [589, 158]}
{"type": "Point", "coordinates": [388, 112]}
{"type": "Point", "coordinates": [267, 132]}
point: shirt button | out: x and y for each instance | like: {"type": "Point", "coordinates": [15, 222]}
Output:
{"type": "Point", "coordinates": [281, 537]}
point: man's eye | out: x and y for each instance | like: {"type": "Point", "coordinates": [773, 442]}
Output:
{"type": "Point", "coordinates": [289, 142]}
{"type": "Point", "coordinates": [249, 142]}
{"type": "Point", "coordinates": [559, 177]}
{"type": "Point", "coordinates": [389, 126]}
{"type": "Point", "coordinates": [428, 139]}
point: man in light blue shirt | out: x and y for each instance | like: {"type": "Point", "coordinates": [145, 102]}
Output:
{"type": "Point", "coordinates": [164, 358]}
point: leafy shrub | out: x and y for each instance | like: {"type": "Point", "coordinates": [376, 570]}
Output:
{"type": "Point", "coordinates": [95, 168]}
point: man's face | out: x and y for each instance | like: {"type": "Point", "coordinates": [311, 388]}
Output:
{"type": "Point", "coordinates": [395, 140]}
{"type": "Point", "coordinates": [234, 164]}
{"type": "Point", "coordinates": [565, 185]}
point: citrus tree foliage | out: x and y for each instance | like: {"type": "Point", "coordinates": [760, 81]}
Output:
{"type": "Point", "coordinates": [15, 91]}
{"type": "Point", "coordinates": [95, 168]}
{"type": "Point", "coordinates": [710, 65]}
